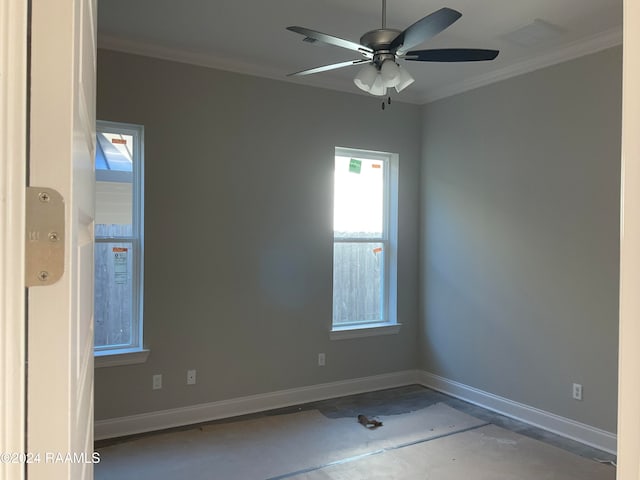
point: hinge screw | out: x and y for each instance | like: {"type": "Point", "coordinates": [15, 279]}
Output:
{"type": "Point", "coordinates": [53, 236]}
{"type": "Point", "coordinates": [42, 276]}
{"type": "Point", "coordinates": [44, 197]}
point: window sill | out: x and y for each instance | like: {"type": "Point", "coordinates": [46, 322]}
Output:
{"type": "Point", "coordinates": [365, 330]}
{"type": "Point", "coordinates": [116, 358]}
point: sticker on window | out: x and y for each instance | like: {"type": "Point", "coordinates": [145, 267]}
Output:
{"type": "Point", "coordinates": [120, 265]}
{"type": "Point", "coordinates": [120, 141]}
{"type": "Point", "coordinates": [355, 165]}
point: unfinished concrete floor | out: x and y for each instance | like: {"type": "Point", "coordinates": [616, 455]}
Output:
{"type": "Point", "coordinates": [426, 435]}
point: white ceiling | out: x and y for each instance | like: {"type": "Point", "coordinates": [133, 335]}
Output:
{"type": "Point", "coordinates": [249, 36]}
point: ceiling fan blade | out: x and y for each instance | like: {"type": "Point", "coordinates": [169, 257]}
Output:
{"type": "Point", "coordinates": [331, 40]}
{"type": "Point", "coordinates": [326, 68]}
{"type": "Point", "coordinates": [424, 29]}
{"type": "Point", "coordinates": [451, 55]}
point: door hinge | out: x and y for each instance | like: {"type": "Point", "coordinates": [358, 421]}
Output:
{"type": "Point", "coordinates": [44, 239]}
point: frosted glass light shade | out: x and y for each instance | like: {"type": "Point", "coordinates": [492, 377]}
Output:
{"type": "Point", "coordinates": [379, 88]}
{"type": "Point", "coordinates": [366, 77]}
{"type": "Point", "coordinates": [390, 72]}
{"type": "Point", "coordinates": [404, 80]}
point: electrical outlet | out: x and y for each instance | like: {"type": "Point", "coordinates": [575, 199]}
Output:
{"type": "Point", "coordinates": [157, 382]}
{"type": "Point", "coordinates": [321, 359]}
{"type": "Point", "coordinates": [577, 391]}
{"type": "Point", "coordinates": [191, 377]}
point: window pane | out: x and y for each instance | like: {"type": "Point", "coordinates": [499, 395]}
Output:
{"type": "Point", "coordinates": [114, 151]}
{"type": "Point", "coordinates": [112, 230]}
{"type": "Point", "coordinates": [357, 282]}
{"type": "Point", "coordinates": [113, 293]}
{"type": "Point", "coordinates": [118, 230]}
{"type": "Point", "coordinates": [358, 198]}
{"type": "Point", "coordinates": [114, 204]}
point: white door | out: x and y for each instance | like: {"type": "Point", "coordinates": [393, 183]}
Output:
{"type": "Point", "coordinates": [13, 81]}
{"type": "Point", "coordinates": [629, 353]}
{"type": "Point", "coordinates": [60, 316]}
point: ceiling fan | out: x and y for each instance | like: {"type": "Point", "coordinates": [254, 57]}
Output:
{"type": "Point", "coordinates": [382, 48]}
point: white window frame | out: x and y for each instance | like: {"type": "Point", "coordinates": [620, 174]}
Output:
{"type": "Point", "coordinates": [389, 323]}
{"type": "Point", "coordinates": [114, 355]}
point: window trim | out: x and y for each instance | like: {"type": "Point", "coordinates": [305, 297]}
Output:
{"type": "Point", "coordinates": [116, 358]}
{"type": "Point", "coordinates": [112, 355]}
{"type": "Point", "coordinates": [389, 324]}
{"type": "Point", "coordinates": [364, 330]}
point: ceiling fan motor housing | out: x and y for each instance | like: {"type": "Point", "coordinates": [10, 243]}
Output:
{"type": "Point", "coordinates": [380, 42]}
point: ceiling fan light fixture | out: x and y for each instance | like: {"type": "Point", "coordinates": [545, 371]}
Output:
{"type": "Point", "coordinates": [390, 72]}
{"type": "Point", "coordinates": [379, 88]}
{"type": "Point", "coordinates": [366, 77]}
{"type": "Point", "coordinates": [404, 79]}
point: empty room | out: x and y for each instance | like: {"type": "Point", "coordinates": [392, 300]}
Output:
{"type": "Point", "coordinates": [483, 261]}
{"type": "Point", "coordinates": [354, 240]}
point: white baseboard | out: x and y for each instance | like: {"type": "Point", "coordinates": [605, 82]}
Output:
{"type": "Point", "coordinates": [177, 417]}
{"type": "Point", "coordinates": [565, 427]}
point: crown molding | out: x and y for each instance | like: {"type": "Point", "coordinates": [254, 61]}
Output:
{"type": "Point", "coordinates": [136, 47]}
{"type": "Point", "coordinates": [594, 44]}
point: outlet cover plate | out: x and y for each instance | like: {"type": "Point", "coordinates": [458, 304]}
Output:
{"type": "Point", "coordinates": [321, 359]}
{"type": "Point", "coordinates": [577, 391]}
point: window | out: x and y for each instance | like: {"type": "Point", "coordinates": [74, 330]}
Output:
{"type": "Point", "coordinates": [364, 243]}
{"type": "Point", "coordinates": [118, 243]}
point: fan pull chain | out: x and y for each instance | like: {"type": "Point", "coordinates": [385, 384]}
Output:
{"type": "Point", "coordinates": [387, 102]}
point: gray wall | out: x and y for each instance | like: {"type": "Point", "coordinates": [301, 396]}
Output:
{"type": "Point", "coordinates": [512, 207]}
{"type": "Point", "coordinates": [519, 237]}
{"type": "Point", "coordinates": [238, 225]}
